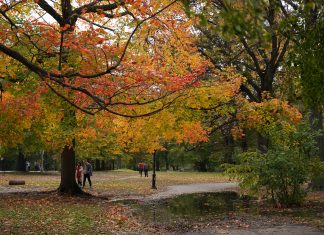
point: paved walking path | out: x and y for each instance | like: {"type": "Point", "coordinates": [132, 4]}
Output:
{"type": "Point", "coordinates": [17, 189]}
{"type": "Point", "coordinates": [176, 190]}
{"type": "Point", "coordinates": [291, 229]}
{"type": "Point", "coordinates": [192, 188]}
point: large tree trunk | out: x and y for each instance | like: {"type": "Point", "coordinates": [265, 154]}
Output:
{"type": "Point", "coordinates": [68, 183]}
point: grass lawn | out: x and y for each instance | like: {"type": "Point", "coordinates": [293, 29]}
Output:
{"type": "Point", "coordinates": [53, 214]}
{"type": "Point", "coordinates": [114, 183]}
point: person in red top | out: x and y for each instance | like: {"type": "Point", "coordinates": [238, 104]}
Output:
{"type": "Point", "coordinates": [140, 168]}
{"type": "Point", "coordinates": [78, 174]}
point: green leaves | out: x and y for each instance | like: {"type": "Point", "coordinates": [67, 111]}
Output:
{"type": "Point", "coordinates": [186, 4]}
{"type": "Point", "coordinates": [280, 173]}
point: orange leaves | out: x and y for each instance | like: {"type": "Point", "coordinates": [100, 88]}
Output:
{"type": "Point", "coordinates": [66, 27]}
{"type": "Point", "coordinates": [16, 116]}
{"type": "Point", "coordinates": [193, 132]}
{"type": "Point", "coordinates": [268, 116]}
{"type": "Point", "coordinates": [161, 58]}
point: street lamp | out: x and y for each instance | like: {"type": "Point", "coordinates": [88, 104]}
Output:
{"type": "Point", "coordinates": [154, 175]}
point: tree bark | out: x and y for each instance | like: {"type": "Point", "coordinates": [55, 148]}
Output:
{"type": "Point", "coordinates": [21, 161]}
{"type": "Point", "coordinates": [157, 163]}
{"type": "Point", "coordinates": [42, 161]}
{"type": "Point", "coordinates": [68, 183]}
{"type": "Point", "coordinates": [229, 148]}
{"type": "Point", "coordinates": [118, 162]}
{"type": "Point", "coordinates": [167, 165]}
{"type": "Point", "coordinates": [103, 165]}
{"type": "Point", "coordinates": [154, 168]}
{"type": "Point", "coordinates": [97, 165]}
{"type": "Point", "coordinates": [320, 139]}
{"type": "Point", "coordinates": [244, 144]}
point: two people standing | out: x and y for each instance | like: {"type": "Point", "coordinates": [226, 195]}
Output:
{"type": "Point", "coordinates": [143, 167]}
{"type": "Point", "coordinates": [84, 169]}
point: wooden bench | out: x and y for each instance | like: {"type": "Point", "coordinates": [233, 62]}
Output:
{"type": "Point", "coordinates": [16, 182]}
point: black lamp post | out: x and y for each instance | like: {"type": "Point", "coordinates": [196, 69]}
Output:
{"type": "Point", "coordinates": [154, 175]}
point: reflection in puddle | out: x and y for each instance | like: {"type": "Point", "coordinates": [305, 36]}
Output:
{"type": "Point", "coordinates": [190, 207]}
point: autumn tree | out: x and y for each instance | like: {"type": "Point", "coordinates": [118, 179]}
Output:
{"type": "Point", "coordinates": [86, 53]}
{"type": "Point", "coordinates": [251, 36]}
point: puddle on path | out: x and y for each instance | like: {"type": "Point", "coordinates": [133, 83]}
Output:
{"type": "Point", "coordinates": [190, 207]}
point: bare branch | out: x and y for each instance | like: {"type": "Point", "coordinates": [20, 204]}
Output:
{"type": "Point", "coordinates": [282, 53]}
{"type": "Point", "coordinates": [253, 56]}
{"type": "Point", "coordinates": [247, 91]}
{"type": "Point", "coordinates": [91, 7]}
{"type": "Point", "coordinates": [17, 56]}
{"type": "Point", "coordinates": [94, 23]}
{"type": "Point", "coordinates": [50, 10]}
{"type": "Point", "coordinates": [68, 100]}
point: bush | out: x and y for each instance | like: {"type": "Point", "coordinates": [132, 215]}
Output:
{"type": "Point", "coordinates": [281, 173]}
{"type": "Point", "coordinates": [278, 175]}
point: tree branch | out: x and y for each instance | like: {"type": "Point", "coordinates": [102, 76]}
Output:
{"type": "Point", "coordinates": [253, 56]}
{"type": "Point", "coordinates": [68, 100]}
{"type": "Point", "coordinates": [91, 7]}
{"type": "Point", "coordinates": [46, 7]}
{"type": "Point", "coordinates": [33, 67]}
{"type": "Point", "coordinates": [94, 23]}
{"type": "Point", "coordinates": [247, 91]}
{"type": "Point", "coordinates": [282, 53]}
{"type": "Point", "coordinates": [125, 48]}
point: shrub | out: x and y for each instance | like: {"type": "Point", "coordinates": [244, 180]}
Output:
{"type": "Point", "coordinates": [281, 173]}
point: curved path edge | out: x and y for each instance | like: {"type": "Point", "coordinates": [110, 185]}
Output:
{"type": "Point", "coordinates": [176, 190]}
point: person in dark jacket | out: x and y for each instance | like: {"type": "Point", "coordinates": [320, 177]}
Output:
{"type": "Point", "coordinates": [87, 172]}
{"type": "Point", "coordinates": [146, 170]}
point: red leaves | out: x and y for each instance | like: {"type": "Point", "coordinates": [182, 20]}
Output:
{"type": "Point", "coordinates": [3, 7]}
{"type": "Point", "coordinates": [65, 27]}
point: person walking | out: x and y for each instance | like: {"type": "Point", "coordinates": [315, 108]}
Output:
{"type": "Point", "coordinates": [27, 165]}
{"type": "Point", "coordinates": [87, 172]}
{"type": "Point", "coordinates": [140, 168]}
{"type": "Point", "coordinates": [145, 170]}
{"type": "Point", "coordinates": [78, 173]}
